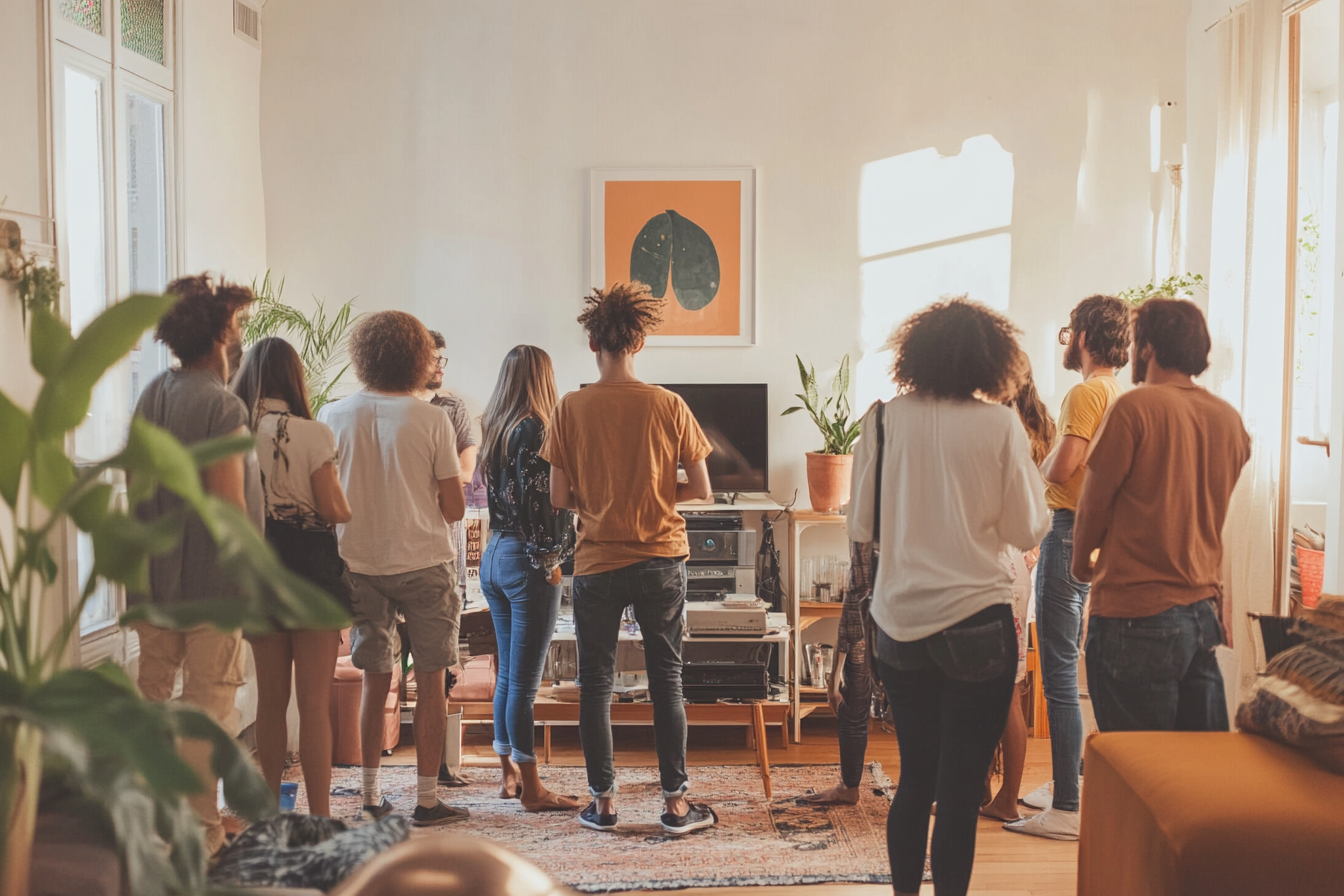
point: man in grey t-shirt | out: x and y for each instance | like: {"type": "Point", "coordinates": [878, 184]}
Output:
{"type": "Point", "coordinates": [193, 403]}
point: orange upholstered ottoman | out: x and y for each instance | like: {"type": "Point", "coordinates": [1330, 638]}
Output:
{"type": "Point", "coordinates": [346, 691]}
{"type": "Point", "coordinates": [1207, 814]}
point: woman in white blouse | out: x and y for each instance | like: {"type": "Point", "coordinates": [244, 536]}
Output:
{"type": "Point", "coordinates": [957, 486]}
{"type": "Point", "coordinates": [304, 501]}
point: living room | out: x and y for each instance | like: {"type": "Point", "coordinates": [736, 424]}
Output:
{"type": "Point", "coordinates": [467, 163]}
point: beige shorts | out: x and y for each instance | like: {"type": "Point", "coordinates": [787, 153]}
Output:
{"type": "Point", "coordinates": [429, 600]}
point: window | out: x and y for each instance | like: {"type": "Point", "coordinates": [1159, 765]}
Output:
{"type": "Point", "coordinates": [112, 85]}
{"type": "Point", "coordinates": [1312, 32]}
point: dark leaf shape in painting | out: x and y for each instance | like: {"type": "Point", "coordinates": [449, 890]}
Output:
{"type": "Point", "coordinates": [673, 241]}
{"type": "Point", "coordinates": [651, 254]}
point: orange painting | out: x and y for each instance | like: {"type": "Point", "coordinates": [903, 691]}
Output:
{"type": "Point", "coordinates": [689, 234]}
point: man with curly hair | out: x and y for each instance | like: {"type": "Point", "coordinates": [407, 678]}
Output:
{"type": "Point", "coordinates": [204, 332]}
{"type": "Point", "coordinates": [1159, 481]}
{"type": "Point", "coordinates": [1097, 340]}
{"type": "Point", "coordinates": [399, 466]}
{"type": "Point", "coordinates": [614, 449]}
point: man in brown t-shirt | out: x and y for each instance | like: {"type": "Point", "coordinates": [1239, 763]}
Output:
{"type": "Point", "coordinates": [614, 449]}
{"type": "Point", "coordinates": [1158, 483]}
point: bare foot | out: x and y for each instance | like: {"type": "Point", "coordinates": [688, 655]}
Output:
{"type": "Point", "coordinates": [993, 810]}
{"type": "Point", "coordinates": [551, 802]}
{"type": "Point", "coordinates": [839, 795]}
{"type": "Point", "coordinates": [510, 785]}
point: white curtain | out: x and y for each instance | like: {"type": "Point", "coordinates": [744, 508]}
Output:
{"type": "Point", "coordinates": [1246, 293]}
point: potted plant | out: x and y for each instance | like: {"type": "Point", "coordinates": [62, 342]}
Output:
{"type": "Point", "coordinates": [89, 730]}
{"type": "Point", "coordinates": [828, 470]}
{"type": "Point", "coordinates": [320, 341]}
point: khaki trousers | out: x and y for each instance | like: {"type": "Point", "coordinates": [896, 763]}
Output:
{"type": "Point", "coordinates": [211, 662]}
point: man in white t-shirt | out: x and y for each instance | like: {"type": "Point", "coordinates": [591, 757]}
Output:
{"type": "Point", "coordinates": [399, 467]}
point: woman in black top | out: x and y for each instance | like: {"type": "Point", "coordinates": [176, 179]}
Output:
{"type": "Point", "coordinates": [520, 570]}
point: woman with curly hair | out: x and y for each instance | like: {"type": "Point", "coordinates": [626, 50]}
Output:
{"type": "Point", "coordinates": [958, 485]}
{"type": "Point", "coordinates": [399, 466]}
{"type": "Point", "coordinates": [614, 449]}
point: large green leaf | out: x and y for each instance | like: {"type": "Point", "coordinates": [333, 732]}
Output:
{"type": "Point", "coordinates": [91, 509]}
{"type": "Point", "coordinates": [53, 474]}
{"type": "Point", "coordinates": [153, 455]}
{"type": "Point", "coordinates": [122, 546]}
{"type": "Point", "coordinates": [49, 342]}
{"type": "Point", "coordinates": [273, 591]}
{"type": "Point", "coordinates": [212, 451]}
{"type": "Point", "coordinates": [72, 373]}
{"type": "Point", "coordinates": [244, 790]}
{"type": "Point", "coordinates": [15, 426]}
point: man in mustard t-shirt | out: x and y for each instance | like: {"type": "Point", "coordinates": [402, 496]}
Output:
{"type": "Point", "coordinates": [1098, 344]}
{"type": "Point", "coordinates": [614, 449]}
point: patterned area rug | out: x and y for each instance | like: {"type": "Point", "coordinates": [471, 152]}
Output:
{"type": "Point", "coordinates": [756, 843]}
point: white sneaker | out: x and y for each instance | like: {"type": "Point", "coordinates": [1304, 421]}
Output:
{"type": "Point", "coordinates": [1053, 824]}
{"type": "Point", "coordinates": [1041, 797]}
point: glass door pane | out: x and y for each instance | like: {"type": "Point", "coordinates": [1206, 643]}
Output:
{"type": "Point", "coordinates": [142, 28]}
{"type": "Point", "coordinates": [146, 221]}
{"type": "Point", "coordinates": [1317, 131]}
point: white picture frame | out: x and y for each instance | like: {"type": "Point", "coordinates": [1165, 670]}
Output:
{"type": "Point", "coordinates": [599, 276]}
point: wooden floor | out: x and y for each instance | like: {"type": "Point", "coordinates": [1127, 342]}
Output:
{"type": "Point", "coordinates": [1005, 864]}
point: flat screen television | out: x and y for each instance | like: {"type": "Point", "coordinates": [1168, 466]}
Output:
{"type": "Point", "coordinates": [735, 419]}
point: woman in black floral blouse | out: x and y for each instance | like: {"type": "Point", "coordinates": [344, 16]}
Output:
{"type": "Point", "coordinates": [520, 570]}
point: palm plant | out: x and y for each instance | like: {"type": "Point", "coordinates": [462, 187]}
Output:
{"type": "Point", "coordinates": [320, 340]}
{"type": "Point", "coordinates": [831, 414]}
{"type": "Point", "coordinates": [90, 728]}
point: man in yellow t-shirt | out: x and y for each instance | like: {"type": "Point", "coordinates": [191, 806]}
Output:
{"type": "Point", "coordinates": [1098, 344]}
{"type": "Point", "coordinates": [614, 449]}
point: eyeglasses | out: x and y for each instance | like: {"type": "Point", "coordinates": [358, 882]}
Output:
{"type": "Point", "coordinates": [1065, 335]}
{"type": "Point", "coordinates": [440, 362]}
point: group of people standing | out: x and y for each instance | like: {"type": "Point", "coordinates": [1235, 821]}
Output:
{"type": "Point", "coordinates": [1120, 507]}
{"type": "Point", "coordinates": [361, 502]}
{"type": "Point", "coordinates": [962, 484]}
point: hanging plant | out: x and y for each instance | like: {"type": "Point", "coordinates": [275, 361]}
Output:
{"type": "Point", "coordinates": [39, 286]}
{"type": "Point", "coordinates": [1177, 286]}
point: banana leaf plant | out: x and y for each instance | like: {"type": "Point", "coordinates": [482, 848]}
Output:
{"type": "Point", "coordinates": [830, 414]}
{"type": "Point", "coordinates": [89, 729]}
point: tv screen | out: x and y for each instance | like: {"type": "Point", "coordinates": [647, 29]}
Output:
{"type": "Point", "coordinates": [735, 419]}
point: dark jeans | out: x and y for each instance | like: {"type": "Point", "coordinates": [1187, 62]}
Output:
{"type": "Point", "coordinates": [657, 590]}
{"type": "Point", "coordinates": [1059, 628]}
{"type": "Point", "coordinates": [523, 606]}
{"type": "Point", "coordinates": [1157, 673]}
{"type": "Point", "coordinates": [949, 696]}
{"type": "Point", "coordinates": [856, 695]}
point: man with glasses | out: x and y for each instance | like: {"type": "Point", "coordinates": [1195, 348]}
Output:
{"type": "Point", "coordinates": [1096, 344]}
{"type": "Point", "coordinates": [456, 409]}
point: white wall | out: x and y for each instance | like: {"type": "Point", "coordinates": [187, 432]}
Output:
{"type": "Point", "coordinates": [433, 156]}
{"type": "Point", "coordinates": [224, 223]}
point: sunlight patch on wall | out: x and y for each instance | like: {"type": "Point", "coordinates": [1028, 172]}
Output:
{"type": "Point", "coordinates": [929, 226]}
{"type": "Point", "coordinates": [921, 197]}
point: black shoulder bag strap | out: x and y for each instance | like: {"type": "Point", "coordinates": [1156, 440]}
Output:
{"type": "Point", "coordinates": [869, 626]}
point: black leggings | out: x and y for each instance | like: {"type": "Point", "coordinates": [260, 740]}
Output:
{"type": "Point", "coordinates": [947, 729]}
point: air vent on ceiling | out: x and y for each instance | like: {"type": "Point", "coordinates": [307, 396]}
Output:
{"type": "Point", "coordinates": [247, 23]}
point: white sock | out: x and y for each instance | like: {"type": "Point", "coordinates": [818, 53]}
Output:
{"type": "Point", "coordinates": [427, 790]}
{"type": "Point", "coordinates": [369, 786]}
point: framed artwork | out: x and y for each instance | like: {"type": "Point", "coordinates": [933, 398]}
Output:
{"type": "Point", "coordinates": [690, 233]}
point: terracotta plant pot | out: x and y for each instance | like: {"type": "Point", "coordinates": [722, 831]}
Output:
{"type": "Point", "coordinates": [828, 479]}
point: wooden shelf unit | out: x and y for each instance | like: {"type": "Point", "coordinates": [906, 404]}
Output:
{"type": "Point", "coordinates": [803, 613]}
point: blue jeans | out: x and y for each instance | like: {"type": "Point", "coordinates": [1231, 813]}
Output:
{"type": "Point", "coordinates": [523, 606]}
{"type": "Point", "coordinates": [1059, 628]}
{"type": "Point", "coordinates": [1157, 673]}
{"type": "Point", "coordinates": [657, 590]}
{"type": "Point", "coordinates": [949, 696]}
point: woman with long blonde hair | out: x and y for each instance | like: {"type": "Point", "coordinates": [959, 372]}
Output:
{"type": "Point", "coordinates": [520, 569]}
